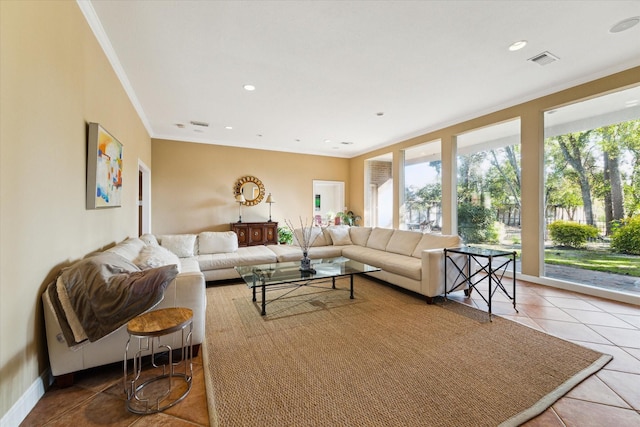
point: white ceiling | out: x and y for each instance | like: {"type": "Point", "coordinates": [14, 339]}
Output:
{"type": "Point", "coordinates": [324, 69]}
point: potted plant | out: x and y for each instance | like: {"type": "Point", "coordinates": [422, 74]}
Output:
{"type": "Point", "coordinates": [349, 218]}
{"type": "Point", "coordinates": [285, 235]}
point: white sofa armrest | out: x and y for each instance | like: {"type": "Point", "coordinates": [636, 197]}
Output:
{"type": "Point", "coordinates": [433, 272]}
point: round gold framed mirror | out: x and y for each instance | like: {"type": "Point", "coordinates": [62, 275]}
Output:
{"type": "Point", "coordinates": [251, 188]}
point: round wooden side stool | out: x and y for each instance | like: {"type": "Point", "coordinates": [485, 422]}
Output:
{"type": "Point", "coordinates": [160, 392]}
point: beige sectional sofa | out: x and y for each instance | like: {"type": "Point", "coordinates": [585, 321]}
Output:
{"type": "Point", "coordinates": [409, 259]}
{"type": "Point", "coordinates": [187, 289]}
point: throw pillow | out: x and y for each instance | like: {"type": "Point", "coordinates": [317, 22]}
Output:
{"type": "Point", "coordinates": [156, 256]}
{"type": "Point", "coordinates": [220, 242]}
{"type": "Point", "coordinates": [340, 236]}
{"type": "Point", "coordinates": [129, 248]}
{"type": "Point", "coordinates": [149, 239]}
{"type": "Point", "coordinates": [182, 245]}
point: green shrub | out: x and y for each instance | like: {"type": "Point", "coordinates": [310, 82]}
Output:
{"type": "Point", "coordinates": [476, 224]}
{"type": "Point", "coordinates": [626, 237]}
{"type": "Point", "coordinates": [572, 234]}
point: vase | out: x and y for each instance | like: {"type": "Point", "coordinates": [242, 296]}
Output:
{"type": "Point", "coordinates": [305, 263]}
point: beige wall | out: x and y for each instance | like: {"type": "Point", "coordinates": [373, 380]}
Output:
{"type": "Point", "coordinates": [192, 185]}
{"type": "Point", "coordinates": [54, 79]}
{"type": "Point", "coordinates": [532, 141]}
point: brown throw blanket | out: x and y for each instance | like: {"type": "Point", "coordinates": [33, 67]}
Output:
{"type": "Point", "coordinates": [105, 291]}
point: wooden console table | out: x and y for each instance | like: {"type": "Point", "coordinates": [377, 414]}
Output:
{"type": "Point", "coordinates": [256, 233]}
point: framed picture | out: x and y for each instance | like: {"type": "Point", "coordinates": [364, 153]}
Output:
{"type": "Point", "coordinates": [104, 169]}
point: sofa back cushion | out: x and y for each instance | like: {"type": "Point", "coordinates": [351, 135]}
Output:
{"type": "Point", "coordinates": [359, 235]}
{"type": "Point", "coordinates": [129, 249]}
{"type": "Point", "coordinates": [217, 242]}
{"type": "Point", "coordinates": [339, 235]}
{"type": "Point", "coordinates": [316, 235]}
{"type": "Point", "coordinates": [183, 245]}
{"type": "Point", "coordinates": [379, 238]}
{"type": "Point", "coordinates": [149, 239]}
{"type": "Point", "coordinates": [403, 242]}
{"type": "Point", "coordinates": [435, 241]}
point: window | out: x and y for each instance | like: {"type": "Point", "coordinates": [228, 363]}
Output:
{"type": "Point", "coordinates": [488, 187]}
{"type": "Point", "coordinates": [592, 191]}
{"type": "Point", "coordinates": [421, 200]}
{"type": "Point", "coordinates": [378, 197]}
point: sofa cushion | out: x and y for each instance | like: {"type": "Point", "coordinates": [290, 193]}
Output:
{"type": "Point", "coordinates": [325, 252]}
{"type": "Point", "coordinates": [182, 245]}
{"type": "Point", "coordinates": [217, 242]}
{"type": "Point", "coordinates": [359, 235]}
{"type": "Point", "coordinates": [403, 242]}
{"type": "Point", "coordinates": [243, 256]}
{"type": "Point", "coordinates": [316, 236]}
{"type": "Point", "coordinates": [366, 255]}
{"type": "Point", "coordinates": [435, 241]}
{"type": "Point", "coordinates": [288, 253]}
{"type": "Point", "coordinates": [156, 256]}
{"type": "Point", "coordinates": [339, 235]}
{"type": "Point", "coordinates": [129, 249]}
{"type": "Point", "coordinates": [379, 238]}
{"type": "Point", "coordinates": [402, 265]}
{"type": "Point", "coordinates": [149, 239]}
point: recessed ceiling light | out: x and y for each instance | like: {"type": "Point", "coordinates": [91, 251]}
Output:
{"type": "Point", "coordinates": [259, 135]}
{"type": "Point", "coordinates": [296, 140]}
{"type": "Point", "coordinates": [228, 127]}
{"type": "Point", "coordinates": [249, 87]}
{"type": "Point", "coordinates": [518, 45]}
{"type": "Point", "coordinates": [327, 140]}
{"type": "Point", "coordinates": [625, 24]}
{"type": "Point", "coordinates": [380, 113]}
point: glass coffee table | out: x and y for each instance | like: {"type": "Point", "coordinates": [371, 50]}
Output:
{"type": "Point", "coordinates": [280, 275]}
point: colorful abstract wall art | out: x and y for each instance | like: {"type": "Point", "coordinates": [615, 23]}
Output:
{"type": "Point", "coordinates": [104, 169]}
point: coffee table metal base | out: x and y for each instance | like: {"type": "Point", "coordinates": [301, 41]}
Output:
{"type": "Point", "coordinates": [260, 283]}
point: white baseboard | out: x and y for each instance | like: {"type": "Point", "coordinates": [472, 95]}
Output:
{"type": "Point", "coordinates": [27, 401]}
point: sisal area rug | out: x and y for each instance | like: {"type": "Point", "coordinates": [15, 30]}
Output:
{"type": "Point", "coordinates": [385, 358]}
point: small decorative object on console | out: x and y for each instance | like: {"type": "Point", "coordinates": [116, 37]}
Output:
{"type": "Point", "coordinates": [305, 238]}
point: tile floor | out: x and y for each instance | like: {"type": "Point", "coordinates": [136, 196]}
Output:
{"type": "Point", "coordinates": [610, 397]}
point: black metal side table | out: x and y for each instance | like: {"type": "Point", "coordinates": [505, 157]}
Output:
{"type": "Point", "coordinates": [492, 264]}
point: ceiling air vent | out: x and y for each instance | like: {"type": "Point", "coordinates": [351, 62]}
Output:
{"type": "Point", "coordinates": [196, 123]}
{"type": "Point", "coordinates": [544, 58]}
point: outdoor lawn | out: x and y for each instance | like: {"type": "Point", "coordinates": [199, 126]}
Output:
{"type": "Point", "coordinates": [597, 259]}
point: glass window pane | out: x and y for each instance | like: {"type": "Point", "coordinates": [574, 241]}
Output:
{"type": "Point", "coordinates": [378, 197]}
{"type": "Point", "coordinates": [488, 188]}
{"type": "Point", "coordinates": [592, 192]}
{"type": "Point", "coordinates": [421, 201]}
